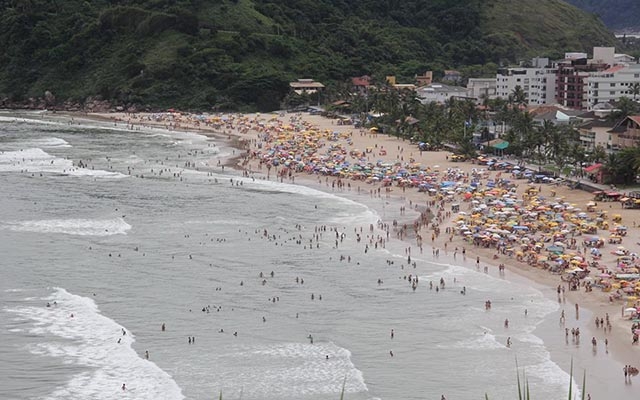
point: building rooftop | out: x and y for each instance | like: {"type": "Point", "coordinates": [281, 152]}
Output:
{"type": "Point", "coordinates": [305, 84]}
{"type": "Point", "coordinates": [441, 88]}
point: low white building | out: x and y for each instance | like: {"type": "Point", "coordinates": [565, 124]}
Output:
{"type": "Point", "coordinates": [440, 93]}
{"type": "Point", "coordinates": [612, 84]}
{"type": "Point", "coordinates": [481, 88]}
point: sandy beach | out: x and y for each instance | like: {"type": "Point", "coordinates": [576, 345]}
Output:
{"type": "Point", "coordinates": [310, 135]}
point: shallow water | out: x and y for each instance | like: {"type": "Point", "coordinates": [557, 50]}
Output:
{"type": "Point", "coordinates": [121, 252]}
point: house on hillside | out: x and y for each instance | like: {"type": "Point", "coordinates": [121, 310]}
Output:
{"type": "Point", "coordinates": [626, 133]}
{"type": "Point", "coordinates": [308, 86]}
{"type": "Point", "coordinates": [452, 76]}
{"type": "Point", "coordinates": [424, 80]}
{"type": "Point", "coordinates": [361, 84]}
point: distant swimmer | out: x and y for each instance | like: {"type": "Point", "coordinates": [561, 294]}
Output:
{"type": "Point", "coordinates": [391, 353]}
{"type": "Point", "coordinates": [146, 354]}
{"type": "Point", "coordinates": [163, 327]}
{"type": "Point", "coordinates": [124, 387]}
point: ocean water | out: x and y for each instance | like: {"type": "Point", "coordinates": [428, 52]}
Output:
{"type": "Point", "coordinates": [97, 256]}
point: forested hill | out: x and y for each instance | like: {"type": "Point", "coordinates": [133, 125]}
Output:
{"type": "Point", "coordinates": [616, 14]}
{"type": "Point", "coordinates": [241, 54]}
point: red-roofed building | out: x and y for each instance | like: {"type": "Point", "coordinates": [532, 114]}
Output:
{"type": "Point", "coordinates": [361, 81]}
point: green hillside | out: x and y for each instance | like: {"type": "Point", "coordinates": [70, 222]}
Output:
{"type": "Point", "coordinates": [241, 54]}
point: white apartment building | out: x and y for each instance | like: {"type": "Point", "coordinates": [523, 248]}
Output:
{"type": "Point", "coordinates": [538, 84]}
{"type": "Point", "coordinates": [612, 84]}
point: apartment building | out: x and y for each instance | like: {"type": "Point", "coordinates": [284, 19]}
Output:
{"type": "Point", "coordinates": [538, 84]}
{"type": "Point", "coordinates": [613, 83]}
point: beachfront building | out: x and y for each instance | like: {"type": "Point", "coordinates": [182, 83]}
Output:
{"type": "Point", "coordinates": [308, 86]}
{"type": "Point", "coordinates": [626, 133]}
{"type": "Point", "coordinates": [610, 85]}
{"type": "Point", "coordinates": [538, 84]}
{"type": "Point", "coordinates": [481, 88]}
{"type": "Point", "coordinates": [595, 133]}
{"type": "Point", "coordinates": [440, 93]}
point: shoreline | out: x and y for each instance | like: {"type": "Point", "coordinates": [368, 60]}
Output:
{"type": "Point", "coordinates": [619, 347]}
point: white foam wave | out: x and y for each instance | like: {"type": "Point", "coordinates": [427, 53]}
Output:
{"type": "Point", "coordinates": [485, 341]}
{"type": "Point", "coordinates": [92, 341]}
{"type": "Point", "coordinates": [290, 370]}
{"type": "Point", "coordinates": [549, 373]}
{"type": "Point", "coordinates": [81, 227]}
{"type": "Point", "coordinates": [52, 142]}
{"type": "Point", "coordinates": [36, 160]}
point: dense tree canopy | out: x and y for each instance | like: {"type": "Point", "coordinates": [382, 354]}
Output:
{"type": "Point", "coordinates": [240, 54]}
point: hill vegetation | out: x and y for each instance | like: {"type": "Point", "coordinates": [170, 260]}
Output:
{"type": "Point", "coordinates": [241, 54]}
{"type": "Point", "coordinates": [616, 14]}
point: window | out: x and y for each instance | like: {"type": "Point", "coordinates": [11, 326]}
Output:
{"type": "Point", "coordinates": [595, 85]}
{"type": "Point", "coordinates": [613, 92]}
{"type": "Point", "coordinates": [613, 84]}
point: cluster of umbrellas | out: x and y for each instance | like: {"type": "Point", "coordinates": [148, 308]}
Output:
{"type": "Point", "coordinates": [543, 232]}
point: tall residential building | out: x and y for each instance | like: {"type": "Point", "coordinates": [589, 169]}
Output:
{"type": "Point", "coordinates": [538, 84]}
{"type": "Point", "coordinates": [571, 85]}
{"type": "Point", "coordinates": [613, 83]}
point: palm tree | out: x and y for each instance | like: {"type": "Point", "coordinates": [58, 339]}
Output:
{"type": "Point", "coordinates": [517, 96]}
{"type": "Point", "coordinates": [545, 133]}
{"type": "Point", "coordinates": [559, 144]}
{"type": "Point", "coordinates": [598, 154]}
{"type": "Point", "coordinates": [624, 108]}
{"type": "Point", "coordinates": [612, 167]}
{"type": "Point", "coordinates": [635, 90]}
